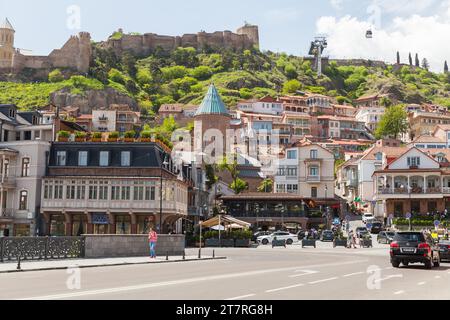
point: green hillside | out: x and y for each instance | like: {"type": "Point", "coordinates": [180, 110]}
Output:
{"type": "Point", "coordinates": [184, 75]}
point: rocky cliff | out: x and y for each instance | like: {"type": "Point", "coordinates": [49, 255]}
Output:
{"type": "Point", "coordinates": [91, 100]}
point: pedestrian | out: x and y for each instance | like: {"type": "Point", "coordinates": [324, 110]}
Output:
{"type": "Point", "coordinates": [152, 239]}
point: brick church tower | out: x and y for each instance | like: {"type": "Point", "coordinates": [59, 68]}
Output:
{"type": "Point", "coordinates": [6, 44]}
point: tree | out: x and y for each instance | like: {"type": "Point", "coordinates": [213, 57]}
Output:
{"type": "Point", "coordinates": [185, 57]}
{"type": "Point", "coordinates": [393, 123]}
{"type": "Point", "coordinates": [398, 57]}
{"type": "Point", "coordinates": [238, 185]}
{"type": "Point", "coordinates": [425, 64]}
{"type": "Point", "coordinates": [129, 64]}
{"type": "Point", "coordinates": [55, 76]}
{"type": "Point", "coordinates": [417, 60]}
{"type": "Point", "coordinates": [266, 186]}
{"type": "Point", "coordinates": [291, 86]}
{"type": "Point", "coordinates": [445, 67]}
{"type": "Point", "coordinates": [385, 102]}
{"type": "Point", "coordinates": [410, 59]}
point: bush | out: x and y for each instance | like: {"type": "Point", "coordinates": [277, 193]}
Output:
{"type": "Point", "coordinates": [63, 134]}
{"type": "Point", "coordinates": [291, 86]}
{"type": "Point", "coordinates": [202, 73]}
{"type": "Point", "coordinates": [55, 76]}
{"type": "Point", "coordinates": [146, 134]}
{"type": "Point", "coordinates": [97, 135]}
{"type": "Point", "coordinates": [80, 134]}
{"type": "Point", "coordinates": [117, 76]}
{"type": "Point", "coordinates": [130, 134]}
{"type": "Point", "coordinates": [113, 135]}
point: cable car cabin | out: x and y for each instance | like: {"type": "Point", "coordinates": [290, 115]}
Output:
{"type": "Point", "coordinates": [369, 34]}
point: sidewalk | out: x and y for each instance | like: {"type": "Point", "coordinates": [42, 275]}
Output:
{"type": "Point", "coordinates": [9, 267]}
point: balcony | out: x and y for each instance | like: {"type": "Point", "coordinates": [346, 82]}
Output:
{"type": "Point", "coordinates": [9, 182]}
{"type": "Point", "coordinates": [352, 182]}
{"type": "Point", "coordinates": [313, 179]}
{"type": "Point", "coordinates": [6, 213]}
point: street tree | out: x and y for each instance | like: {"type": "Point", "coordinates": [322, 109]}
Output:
{"type": "Point", "coordinates": [393, 123]}
{"type": "Point", "coordinates": [266, 186]}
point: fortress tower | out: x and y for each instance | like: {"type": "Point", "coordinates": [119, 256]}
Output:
{"type": "Point", "coordinates": [6, 44]}
{"type": "Point", "coordinates": [251, 31]}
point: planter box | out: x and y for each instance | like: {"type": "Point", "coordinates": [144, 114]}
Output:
{"type": "Point", "coordinates": [96, 139]}
{"type": "Point", "coordinates": [112, 140]}
{"type": "Point", "coordinates": [128, 139]}
{"type": "Point", "coordinates": [339, 243]}
{"type": "Point", "coordinates": [278, 243]}
{"type": "Point", "coordinates": [63, 139]}
{"type": "Point", "coordinates": [309, 243]}
{"type": "Point", "coordinates": [80, 139]}
{"type": "Point", "coordinates": [212, 243]}
{"type": "Point", "coordinates": [227, 243]}
{"type": "Point", "coordinates": [146, 140]}
{"type": "Point", "coordinates": [365, 243]}
{"type": "Point", "coordinates": [242, 243]}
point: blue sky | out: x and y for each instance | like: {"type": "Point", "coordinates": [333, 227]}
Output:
{"type": "Point", "coordinates": [285, 25]}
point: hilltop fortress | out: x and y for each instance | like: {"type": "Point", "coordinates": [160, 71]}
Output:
{"type": "Point", "coordinates": [246, 37]}
{"type": "Point", "coordinates": [76, 54]}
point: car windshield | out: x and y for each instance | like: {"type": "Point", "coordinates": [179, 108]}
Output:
{"type": "Point", "coordinates": [390, 234]}
{"type": "Point", "coordinates": [376, 225]}
{"type": "Point", "coordinates": [410, 236]}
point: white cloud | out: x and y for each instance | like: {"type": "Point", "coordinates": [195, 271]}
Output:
{"type": "Point", "coordinates": [404, 6]}
{"type": "Point", "coordinates": [424, 35]}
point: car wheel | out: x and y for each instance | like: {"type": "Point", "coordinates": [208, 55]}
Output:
{"type": "Point", "coordinates": [405, 263]}
{"type": "Point", "coordinates": [265, 242]}
{"type": "Point", "coordinates": [289, 242]}
{"type": "Point", "coordinates": [395, 263]}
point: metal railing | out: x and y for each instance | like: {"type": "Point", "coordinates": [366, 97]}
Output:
{"type": "Point", "coordinates": [41, 248]}
{"type": "Point", "coordinates": [6, 212]}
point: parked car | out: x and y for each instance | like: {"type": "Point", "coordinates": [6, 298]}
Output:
{"type": "Point", "coordinates": [386, 237]}
{"type": "Point", "coordinates": [368, 217]}
{"type": "Point", "coordinates": [376, 228]}
{"type": "Point", "coordinates": [327, 235]}
{"type": "Point", "coordinates": [280, 235]}
{"type": "Point", "coordinates": [361, 231]}
{"type": "Point", "coordinates": [414, 247]}
{"type": "Point", "coordinates": [259, 234]}
{"type": "Point", "coordinates": [444, 250]}
{"type": "Point", "coordinates": [301, 235]}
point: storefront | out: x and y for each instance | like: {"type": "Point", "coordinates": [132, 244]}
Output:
{"type": "Point", "coordinates": [6, 229]}
{"type": "Point", "coordinates": [123, 224]}
{"type": "Point", "coordinates": [100, 222]}
{"type": "Point", "coordinates": [79, 224]}
{"type": "Point", "coordinates": [144, 223]}
{"type": "Point", "coordinates": [22, 230]}
{"type": "Point", "coordinates": [57, 225]}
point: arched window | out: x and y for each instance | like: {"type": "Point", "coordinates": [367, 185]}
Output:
{"type": "Point", "coordinates": [25, 167]}
{"type": "Point", "coordinates": [23, 204]}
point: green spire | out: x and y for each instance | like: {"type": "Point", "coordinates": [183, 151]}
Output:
{"type": "Point", "coordinates": [212, 103]}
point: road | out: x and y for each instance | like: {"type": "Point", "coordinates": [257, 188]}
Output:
{"type": "Point", "coordinates": [248, 274]}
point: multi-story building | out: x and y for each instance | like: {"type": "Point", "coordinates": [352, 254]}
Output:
{"type": "Point", "coordinates": [111, 188]}
{"type": "Point", "coordinates": [266, 105]}
{"type": "Point", "coordinates": [24, 143]}
{"type": "Point", "coordinates": [117, 118]}
{"type": "Point", "coordinates": [425, 122]}
{"type": "Point", "coordinates": [347, 181]}
{"type": "Point", "coordinates": [370, 101]}
{"type": "Point", "coordinates": [342, 127]}
{"type": "Point", "coordinates": [415, 182]}
{"type": "Point", "coordinates": [308, 103]}
{"type": "Point", "coordinates": [371, 116]}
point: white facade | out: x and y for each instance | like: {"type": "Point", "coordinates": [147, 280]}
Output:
{"type": "Point", "coordinates": [371, 116]}
{"type": "Point", "coordinates": [274, 108]}
{"type": "Point", "coordinates": [104, 120]}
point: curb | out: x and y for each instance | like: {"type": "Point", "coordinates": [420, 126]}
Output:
{"type": "Point", "coordinates": [111, 265]}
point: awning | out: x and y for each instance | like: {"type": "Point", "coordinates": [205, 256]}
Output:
{"type": "Point", "coordinates": [225, 221]}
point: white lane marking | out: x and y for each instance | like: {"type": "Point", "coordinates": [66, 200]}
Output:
{"type": "Point", "coordinates": [399, 292]}
{"type": "Point", "coordinates": [241, 297]}
{"type": "Point", "coordinates": [285, 288]}
{"type": "Point", "coordinates": [353, 274]}
{"type": "Point", "coordinates": [421, 283]}
{"type": "Point", "coordinates": [389, 277]}
{"type": "Point", "coordinates": [305, 273]}
{"type": "Point", "coordinates": [183, 281]}
{"type": "Point", "coordinates": [388, 268]}
{"type": "Point", "coordinates": [437, 277]}
{"type": "Point", "coordinates": [324, 280]}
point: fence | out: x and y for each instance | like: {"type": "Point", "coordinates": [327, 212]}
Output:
{"type": "Point", "coordinates": [41, 248]}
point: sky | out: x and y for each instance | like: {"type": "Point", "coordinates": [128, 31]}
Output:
{"type": "Point", "coordinates": [416, 26]}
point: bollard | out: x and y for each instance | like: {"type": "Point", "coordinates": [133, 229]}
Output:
{"type": "Point", "coordinates": [184, 255]}
{"type": "Point", "coordinates": [214, 254]}
{"type": "Point", "coordinates": [18, 264]}
{"type": "Point", "coordinates": [200, 253]}
{"type": "Point", "coordinates": [167, 256]}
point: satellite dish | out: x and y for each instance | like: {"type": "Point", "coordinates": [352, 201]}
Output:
{"type": "Point", "coordinates": [369, 34]}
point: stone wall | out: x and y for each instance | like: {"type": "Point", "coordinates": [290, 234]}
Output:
{"type": "Point", "coordinates": [112, 246]}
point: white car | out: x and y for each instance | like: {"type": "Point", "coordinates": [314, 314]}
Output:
{"type": "Point", "coordinates": [368, 217]}
{"type": "Point", "coordinates": [280, 235]}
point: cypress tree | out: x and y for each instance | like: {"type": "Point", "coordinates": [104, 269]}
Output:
{"type": "Point", "coordinates": [410, 59]}
{"type": "Point", "coordinates": [445, 67]}
{"type": "Point", "coordinates": [398, 57]}
{"type": "Point", "coordinates": [417, 60]}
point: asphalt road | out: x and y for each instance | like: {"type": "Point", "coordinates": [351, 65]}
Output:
{"type": "Point", "coordinates": [248, 274]}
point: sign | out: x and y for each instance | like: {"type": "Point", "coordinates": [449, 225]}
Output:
{"type": "Point", "coordinates": [336, 221]}
{"type": "Point", "coordinates": [369, 226]}
{"type": "Point", "coordinates": [437, 223]}
{"type": "Point", "coordinates": [100, 218]}
{"type": "Point", "coordinates": [408, 215]}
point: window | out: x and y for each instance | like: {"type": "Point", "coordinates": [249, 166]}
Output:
{"type": "Point", "coordinates": [81, 191]}
{"type": "Point", "coordinates": [150, 193]}
{"type": "Point", "coordinates": [115, 193]}
{"type": "Point", "coordinates": [126, 191]}
{"type": "Point", "coordinates": [292, 188]}
{"type": "Point", "coordinates": [314, 192]}
{"type": "Point", "coordinates": [23, 204]}
{"type": "Point", "coordinates": [292, 171]}
{"type": "Point", "coordinates": [103, 190]}
{"type": "Point", "coordinates": [125, 158]}
{"type": "Point", "coordinates": [292, 154]}
{"type": "Point", "coordinates": [413, 161]}
{"type": "Point", "coordinates": [25, 167]}
{"type": "Point", "coordinates": [82, 158]}
{"type": "Point", "coordinates": [313, 171]}
{"type": "Point", "coordinates": [59, 187]}
{"type": "Point", "coordinates": [138, 193]}
{"type": "Point", "coordinates": [93, 191]}
{"type": "Point", "coordinates": [379, 156]}
{"type": "Point", "coordinates": [70, 191]}
{"type": "Point", "coordinates": [61, 158]}
{"type": "Point", "coordinates": [281, 188]}
{"type": "Point", "coordinates": [48, 190]}
{"type": "Point", "coordinates": [314, 154]}
{"type": "Point", "coordinates": [104, 158]}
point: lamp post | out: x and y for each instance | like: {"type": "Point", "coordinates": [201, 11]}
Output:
{"type": "Point", "coordinates": [164, 164]}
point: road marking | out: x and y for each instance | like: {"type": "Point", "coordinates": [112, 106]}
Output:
{"type": "Point", "coordinates": [399, 292]}
{"type": "Point", "coordinates": [241, 297]}
{"type": "Point", "coordinates": [389, 277]}
{"type": "Point", "coordinates": [421, 283]}
{"type": "Point", "coordinates": [389, 268]}
{"type": "Point", "coordinates": [353, 274]}
{"type": "Point", "coordinates": [437, 277]}
{"type": "Point", "coordinates": [285, 288]}
{"type": "Point", "coordinates": [324, 280]}
{"type": "Point", "coordinates": [183, 281]}
{"type": "Point", "coordinates": [305, 273]}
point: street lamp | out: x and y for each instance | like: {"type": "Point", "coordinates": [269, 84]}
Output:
{"type": "Point", "coordinates": [164, 164]}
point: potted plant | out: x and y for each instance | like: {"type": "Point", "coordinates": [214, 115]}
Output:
{"type": "Point", "coordinates": [63, 136]}
{"type": "Point", "coordinates": [340, 240]}
{"type": "Point", "coordinates": [113, 136]}
{"type": "Point", "coordinates": [211, 239]}
{"type": "Point", "coordinates": [146, 136]}
{"type": "Point", "coordinates": [366, 241]}
{"type": "Point", "coordinates": [80, 136]}
{"type": "Point", "coordinates": [129, 136]}
{"type": "Point", "coordinates": [97, 137]}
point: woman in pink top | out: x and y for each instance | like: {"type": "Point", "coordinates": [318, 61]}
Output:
{"type": "Point", "coordinates": [152, 239]}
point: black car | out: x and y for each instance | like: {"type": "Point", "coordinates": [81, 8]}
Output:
{"type": "Point", "coordinates": [327, 235]}
{"type": "Point", "coordinates": [386, 237]}
{"type": "Point", "coordinates": [301, 235]}
{"type": "Point", "coordinates": [444, 250]}
{"type": "Point", "coordinates": [414, 247]}
{"type": "Point", "coordinates": [376, 228]}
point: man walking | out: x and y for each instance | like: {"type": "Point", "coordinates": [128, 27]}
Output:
{"type": "Point", "coordinates": [152, 239]}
